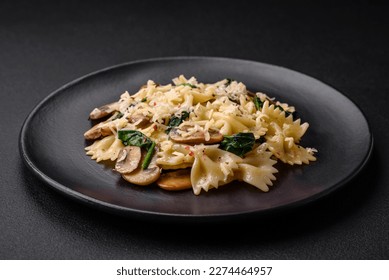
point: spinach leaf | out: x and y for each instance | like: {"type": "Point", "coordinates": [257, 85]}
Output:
{"type": "Point", "coordinates": [148, 156]}
{"type": "Point", "coordinates": [188, 85]}
{"type": "Point", "coordinates": [137, 138]}
{"type": "Point", "coordinates": [176, 121]}
{"type": "Point", "coordinates": [258, 103]}
{"type": "Point", "coordinates": [238, 144]}
{"type": "Point", "coordinates": [134, 138]}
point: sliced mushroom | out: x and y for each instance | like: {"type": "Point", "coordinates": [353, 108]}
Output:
{"type": "Point", "coordinates": [128, 159]}
{"type": "Point", "coordinates": [141, 120]}
{"type": "Point", "coordinates": [103, 111]}
{"type": "Point", "coordinates": [97, 131]}
{"type": "Point", "coordinates": [146, 176]}
{"type": "Point", "coordinates": [195, 138]}
{"type": "Point", "coordinates": [175, 180]}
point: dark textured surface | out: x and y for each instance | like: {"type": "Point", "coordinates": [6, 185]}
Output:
{"type": "Point", "coordinates": [45, 45]}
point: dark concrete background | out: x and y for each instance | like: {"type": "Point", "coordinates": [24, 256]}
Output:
{"type": "Point", "coordinates": [44, 45]}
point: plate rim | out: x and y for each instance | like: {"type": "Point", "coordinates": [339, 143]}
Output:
{"type": "Point", "coordinates": [127, 211]}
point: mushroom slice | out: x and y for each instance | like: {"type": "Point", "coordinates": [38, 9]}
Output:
{"type": "Point", "coordinates": [128, 159]}
{"type": "Point", "coordinates": [195, 138]}
{"type": "Point", "coordinates": [98, 130]}
{"type": "Point", "coordinates": [175, 180]}
{"type": "Point", "coordinates": [140, 120]}
{"type": "Point", "coordinates": [146, 176]}
{"type": "Point", "coordinates": [103, 111]}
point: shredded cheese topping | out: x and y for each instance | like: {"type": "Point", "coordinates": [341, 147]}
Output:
{"type": "Point", "coordinates": [225, 107]}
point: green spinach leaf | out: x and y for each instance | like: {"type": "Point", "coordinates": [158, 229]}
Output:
{"type": "Point", "coordinates": [238, 144]}
{"type": "Point", "coordinates": [176, 121]}
{"type": "Point", "coordinates": [134, 138]}
{"type": "Point", "coordinates": [188, 85]}
{"type": "Point", "coordinates": [258, 103]}
{"type": "Point", "coordinates": [137, 138]}
{"type": "Point", "coordinates": [148, 156]}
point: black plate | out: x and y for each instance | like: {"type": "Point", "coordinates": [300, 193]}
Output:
{"type": "Point", "coordinates": [52, 143]}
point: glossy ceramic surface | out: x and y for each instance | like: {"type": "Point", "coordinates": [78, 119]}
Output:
{"type": "Point", "coordinates": [52, 142]}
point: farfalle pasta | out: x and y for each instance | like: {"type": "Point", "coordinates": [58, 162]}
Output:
{"type": "Point", "coordinates": [199, 136]}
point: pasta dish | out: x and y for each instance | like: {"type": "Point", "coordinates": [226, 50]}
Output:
{"type": "Point", "coordinates": [193, 135]}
